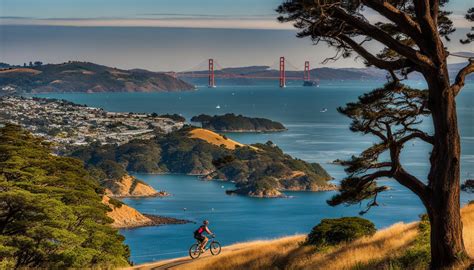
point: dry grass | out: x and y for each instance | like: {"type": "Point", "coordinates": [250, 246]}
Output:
{"type": "Point", "coordinates": [287, 253]}
{"type": "Point", "coordinates": [85, 72]}
{"type": "Point", "coordinates": [213, 138]}
{"type": "Point", "coordinates": [468, 232]}
{"type": "Point", "coordinates": [21, 70]}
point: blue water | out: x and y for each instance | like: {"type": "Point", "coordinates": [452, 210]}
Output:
{"type": "Point", "coordinates": [312, 135]}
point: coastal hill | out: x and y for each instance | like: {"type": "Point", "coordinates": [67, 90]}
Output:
{"type": "Point", "coordinates": [148, 143]}
{"type": "Point", "coordinates": [258, 170]}
{"type": "Point", "coordinates": [129, 186]}
{"type": "Point", "coordinates": [86, 77]}
{"type": "Point", "coordinates": [214, 138]}
{"type": "Point", "coordinates": [237, 123]}
{"type": "Point", "coordinates": [52, 210]}
{"type": "Point", "coordinates": [400, 246]}
{"type": "Point", "coordinates": [234, 74]}
{"type": "Point", "coordinates": [127, 217]}
{"type": "Point", "coordinates": [323, 73]}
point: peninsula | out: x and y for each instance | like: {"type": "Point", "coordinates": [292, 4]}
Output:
{"type": "Point", "coordinates": [258, 170]}
{"type": "Point", "coordinates": [112, 145]}
{"type": "Point", "coordinates": [74, 76]}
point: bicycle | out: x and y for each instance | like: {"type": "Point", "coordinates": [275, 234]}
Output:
{"type": "Point", "coordinates": [212, 245]}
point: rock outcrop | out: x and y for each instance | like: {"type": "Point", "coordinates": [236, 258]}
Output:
{"type": "Point", "coordinates": [125, 216]}
{"type": "Point", "coordinates": [129, 186]}
{"type": "Point", "coordinates": [468, 186]}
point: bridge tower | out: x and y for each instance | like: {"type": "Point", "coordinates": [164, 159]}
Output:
{"type": "Point", "coordinates": [306, 76]}
{"type": "Point", "coordinates": [212, 82]}
{"type": "Point", "coordinates": [282, 72]}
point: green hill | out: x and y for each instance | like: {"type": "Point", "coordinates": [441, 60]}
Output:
{"type": "Point", "coordinates": [237, 123]}
{"type": "Point", "coordinates": [87, 77]}
{"type": "Point", "coordinates": [260, 170]}
{"type": "Point", "coordinates": [51, 211]}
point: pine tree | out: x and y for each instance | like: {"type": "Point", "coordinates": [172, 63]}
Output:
{"type": "Point", "coordinates": [410, 34]}
{"type": "Point", "coordinates": [51, 213]}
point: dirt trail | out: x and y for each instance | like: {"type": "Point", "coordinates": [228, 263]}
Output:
{"type": "Point", "coordinates": [172, 263]}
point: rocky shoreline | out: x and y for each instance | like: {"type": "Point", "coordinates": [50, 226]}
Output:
{"type": "Point", "coordinates": [278, 193]}
{"type": "Point", "coordinates": [157, 194]}
{"type": "Point", "coordinates": [249, 130]}
{"type": "Point", "coordinates": [157, 221]}
{"type": "Point", "coordinates": [161, 220]}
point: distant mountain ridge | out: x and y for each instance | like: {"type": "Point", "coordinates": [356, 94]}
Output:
{"type": "Point", "coordinates": [323, 73]}
{"type": "Point", "coordinates": [237, 74]}
{"type": "Point", "coordinates": [85, 77]}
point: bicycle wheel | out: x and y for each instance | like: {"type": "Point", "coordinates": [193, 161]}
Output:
{"type": "Point", "coordinates": [194, 251]}
{"type": "Point", "coordinates": [215, 248]}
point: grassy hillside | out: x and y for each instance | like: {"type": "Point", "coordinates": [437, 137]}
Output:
{"type": "Point", "coordinates": [87, 77]}
{"type": "Point", "coordinates": [398, 247]}
{"type": "Point", "coordinates": [260, 170]}
{"type": "Point", "coordinates": [214, 138]}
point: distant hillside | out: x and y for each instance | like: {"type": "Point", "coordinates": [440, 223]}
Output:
{"type": "Point", "coordinates": [237, 123]}
{"type": "Point", "coordinates": [85, 77]}
{"type": "Point", "coordinates": [259, 170]}
{"type": "Point", "coordinates": [238, 75]}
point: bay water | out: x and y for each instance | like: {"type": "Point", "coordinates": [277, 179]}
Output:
{"type": "Point", "coordinates": [316, 133]}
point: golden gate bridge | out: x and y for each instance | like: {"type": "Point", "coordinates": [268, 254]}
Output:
{"type": "Point", "coordinates": [211, 70]}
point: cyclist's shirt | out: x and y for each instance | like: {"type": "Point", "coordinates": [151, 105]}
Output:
{"type": "Point", "coordinates": [200, 230]}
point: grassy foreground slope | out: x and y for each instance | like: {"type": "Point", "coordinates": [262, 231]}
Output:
{"type": "Point", "coordinates": [379, 251]}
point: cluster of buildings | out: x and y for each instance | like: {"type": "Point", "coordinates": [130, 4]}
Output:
{"type": "Point", "coordinates": [66, 123]}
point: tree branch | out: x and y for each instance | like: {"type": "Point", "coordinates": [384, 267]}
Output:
{"type": "Point", "coordinates": [461, 77]}
{"type": "Point", "coordinates": [420, 135]}
{"type": "Point", "coordinates": [378, 174]}
{"type": "Point", "coordinates": [407, 25]}
{"type": "Point", "coordinates": [429, 29]}
{"type": "Point", "coordinates": [412, 183]}
{"type": "Point", "coordinates": [383, 37]}
{"type": "Point", "coordinates": [372, 59]}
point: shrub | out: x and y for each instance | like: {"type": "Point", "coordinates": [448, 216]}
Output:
{"type": "Point", "coordinates": [116, 203]}
{"type": "Point", "coordinates": [414, 257]}
{"type": "Point", "coordinates": [334, 231]}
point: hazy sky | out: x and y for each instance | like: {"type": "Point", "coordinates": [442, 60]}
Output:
{"type": "Point", "coordinates": [162, 34]}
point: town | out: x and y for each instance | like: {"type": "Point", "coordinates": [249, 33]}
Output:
{"type": "Point", "coordinates": [65, 123]}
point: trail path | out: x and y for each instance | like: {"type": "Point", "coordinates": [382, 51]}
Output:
{"type": "Point", "coordinates": [172, 263]}
{"type": "Point", "coordinates": [176, 262]}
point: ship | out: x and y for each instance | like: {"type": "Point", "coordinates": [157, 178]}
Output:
{"type": "Point", "coordinates": [311, 83]}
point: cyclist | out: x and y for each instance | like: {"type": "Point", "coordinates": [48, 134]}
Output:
{"type": "Point", "coordinates": [198, 235]}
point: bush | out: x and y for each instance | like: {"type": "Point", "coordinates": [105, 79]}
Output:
{"type": "Point", "coordinates": [414, 257]}
{"type": "Point", "coordinates": [116, 203]}
{"type": "Point", "coordinates": [334, 231]}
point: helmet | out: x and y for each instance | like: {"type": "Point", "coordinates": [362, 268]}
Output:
{"type": "Point", "coordinates": [205, 222]}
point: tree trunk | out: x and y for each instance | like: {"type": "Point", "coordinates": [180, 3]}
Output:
{"type": "Point", "coordinates": [447, 246]}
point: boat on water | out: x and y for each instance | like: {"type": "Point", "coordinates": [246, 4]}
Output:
{"type": "Point", "coordinates": [310, 83]}
{"type": "Point", "coordinates": [218, 106]}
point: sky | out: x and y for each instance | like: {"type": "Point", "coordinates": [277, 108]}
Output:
{"type": "Point", "coordinates": [163, 34]}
